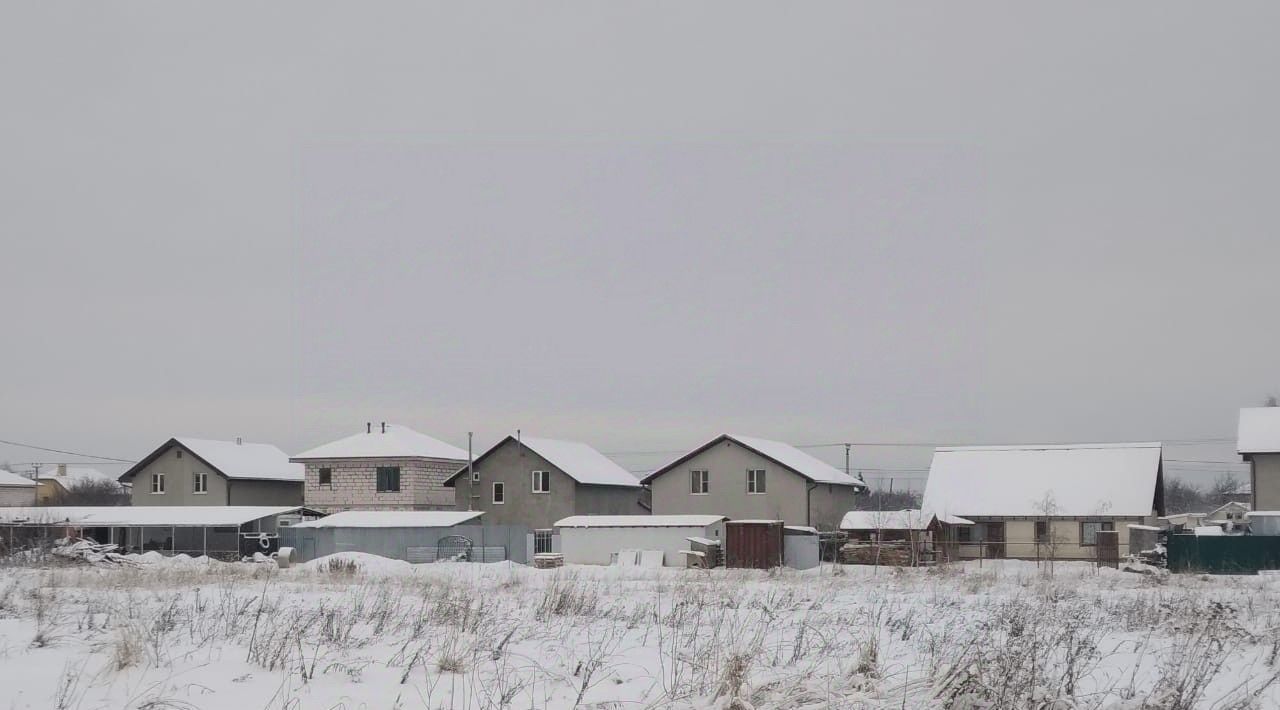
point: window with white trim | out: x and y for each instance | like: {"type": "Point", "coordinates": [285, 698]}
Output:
{"type": "Point", "coordinates": [755, 480]}
{"type": "Point", "coordinates": [199, 482]}
{"type": "Point", "coordinates": [542, 541]}
{"type": "Point", "coordinates": [475, 475]}
{"type": "Point", "coordinates": [699, 482]}
{"type": "Point", "coordinates": [157, 483]}
{"type": "Point", "coordinates": [499, 493]}
{"type": "Point", "coordinates": [541, 481]}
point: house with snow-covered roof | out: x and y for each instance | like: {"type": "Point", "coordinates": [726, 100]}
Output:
{"type": "Point", "coordinates": [384, 467]}
{"type": "Point", "coordinates": [526, 480]}
{"type": "Point", "coordinates": [16, 489]}
{"type": "Point", "coordinates": [55, 483]}
{"type": "Point", "coordinates": [754, 478]}
{"type": "Point", "coordinates": [1041, 501]}
{"type": "Point", "coordinates": [206, 472]}
{"type": "Point", "coordinates": [1258, 443]}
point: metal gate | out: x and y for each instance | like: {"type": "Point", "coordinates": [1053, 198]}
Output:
{"type": "Point", "coordinates": [755, 544]}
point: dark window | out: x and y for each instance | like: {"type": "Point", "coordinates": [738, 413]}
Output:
{"type": "Point", "coordinates": [964, 534]}
{"type": "Point", "coordinates": [755, 480]}
{"type": "Point", "coordinates": [388, 479]}
{"type": "Point", "coordinates": [698, 481]}
{"type": "Point", "coordinates": [1089, 532]}
{"type": "Point", "coordinates": [179, 453]}
{"type": "Point", "coordinates": [541, 481]}
{"type": "Point", "coordinates": [499, 493]}
{"type": "Point", "coordinates": [1042, 531]}
{"type": "Point", "coordinates": [326, 476]}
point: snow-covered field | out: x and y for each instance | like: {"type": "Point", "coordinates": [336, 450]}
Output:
{"type": "Point", "coordinates": [354, 631]}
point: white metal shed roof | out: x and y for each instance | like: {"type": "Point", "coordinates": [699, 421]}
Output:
{"type": "Point", "coordinates": [245, 461]}
{"type": "Point", "coordinates": [178, 516]}
{"type": "Point", "coordinates": [10, 479]}
{"type": "Point", "coordinates": [393, 519]}
{"type": "Point", "coordinates": [639, 521]}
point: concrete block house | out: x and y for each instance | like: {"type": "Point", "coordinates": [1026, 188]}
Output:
{"type": "Point", "coordinates": [1040, 502]}
{"type": "Point", "coordinates": [205, 472]}
{"type": "Point", "coordinates": [531, 481]}
{"type": "Point", "coordinates": [748, 477]}
{"type": "Point", "coordinates": [1258, 442]}
{"type": "Point", "coordinates": [384, 467]}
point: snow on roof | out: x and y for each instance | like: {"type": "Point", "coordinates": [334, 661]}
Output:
{"type": "Point", "coordinates": [1208, 531]}
{"type": "Point", "coordinates": [886, 520]}
{"type": "Point", "coordinates": [393, 519]}
{"type": "Point", "coordinates": [798, 461]}
{"type": "Point", "coordinates": [178, 516]}
{"type": "Point", "coordinates": [1149, 528]}
{"type": "Point", "coordinates": [239, 460]}
{"type": "Point", "coordinates": [1259, 431]}
{"type": "Point", "coordinates": [9, 479]}
{"type": "Point", "coordinates": [1081, 480]}
{"type": "Point", "coordinates": [581, 462]}
{"type": "Point", "coordinates": [397, 442]}
{"type": "Point", "coordinates": [702, 540]}
{"type": "Point", "coordinates": [638, 521]}
{"type": "Point", "coordinates": [757, 522]}
{"type": "Point", "coordinates": [75, 476]}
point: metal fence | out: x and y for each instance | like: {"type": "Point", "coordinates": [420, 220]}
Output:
{"type": "Point", "coordinates": [1223, 554]}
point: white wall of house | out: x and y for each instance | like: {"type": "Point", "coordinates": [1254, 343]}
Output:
{"type": "Point", "coordinates": [17, 495]}
{"type": "Point", "coordinates": [1064, 539]}
{"type": "Point", "coordinates": [1265, 474]}
{"type": "Point", "coordinates": [596, 545]}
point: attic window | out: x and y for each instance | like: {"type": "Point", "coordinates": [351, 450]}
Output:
{"type": "Point", "coordinates": [179, 453]}
{"type": "Point", "coordinates": [325, 477]}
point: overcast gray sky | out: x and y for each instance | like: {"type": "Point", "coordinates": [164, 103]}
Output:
{"type": "Point", "coordinates": [639, 226]}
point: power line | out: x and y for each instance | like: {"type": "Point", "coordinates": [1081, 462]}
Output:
{"type": "Point", "coordinates": [940, 444]}
{"type": "Point", "coordinates": [68, 453]}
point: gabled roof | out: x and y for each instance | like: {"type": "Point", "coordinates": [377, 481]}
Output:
{"type": "Point", "coordinates": [75, 476]}
{"type": "Point", "coordinates": [1259, 431]}
{"type": "Point", "coordinates": [396, 442]}
{"type": "Point", "coordinates": [393, 519]}
{"type": "Point", "coordinates": [578, 461]}
{"type": "Point", "coordinates": [785, 455]}
{"type": "Point", "coordinates": [1119, 480]}
{"type": "Point", "coordinates": [178, 516]}
{"type": "Point", "coordinates": [639, 521]}
{"type": "Point", "coordinates": [233, 460]}
{"type": "Point", "coordinates": [886, 520]}
{"type": "Point", "coordinates": [9, 479]}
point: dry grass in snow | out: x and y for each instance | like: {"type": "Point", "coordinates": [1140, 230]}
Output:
{"type": "Point", "coordinates": [355, 631]}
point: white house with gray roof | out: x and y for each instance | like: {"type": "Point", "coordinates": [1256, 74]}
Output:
{"type": "Point", "coordinates": [753, 478]}
{"type": "Point", "coordinates": [525, 480]}
{"type": "Point", "coordinates": [384, 467]}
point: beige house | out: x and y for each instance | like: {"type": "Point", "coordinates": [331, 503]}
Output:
{"type": "Point", "coordinates": [384, 467]}
{"type": "Point", "coordinates": [1258, 442]}
{"type": "Point", "coordinates": [205, 472]}
{"type": "Point", "coordinates": [745, 477]}
{"type": "Point", "coordinates": [56, 481]}
{"type": "Point", "coordinates": [1036, 502]}
{"type": "Point", "coordinates": [16, 490]}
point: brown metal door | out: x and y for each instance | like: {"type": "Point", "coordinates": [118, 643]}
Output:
{"type": "Point", "coordinates": [1108, 548]}
{"type": "Point", "coordinates": [995, 540]}
{"type": "Point", "coordinates": [754, 545]}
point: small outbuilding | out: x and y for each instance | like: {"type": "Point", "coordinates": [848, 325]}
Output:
{"type": "Point", "coordinates": [412, 535]}
{"type": "Point", "coordinates": [597, 539]}
{"type": "Point", "coordinates": [16, 490]}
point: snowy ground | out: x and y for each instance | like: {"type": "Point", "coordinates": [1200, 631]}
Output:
{"type": "Point", "coordinates": [366, 632]}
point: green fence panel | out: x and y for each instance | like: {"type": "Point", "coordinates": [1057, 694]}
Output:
{"type": "Point", "coordinates": [1226, 554]}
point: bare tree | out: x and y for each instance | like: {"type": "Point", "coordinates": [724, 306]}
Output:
{"type": "Point", "coordinates": [1048, 509]}
{"type": "Point", "coordinates": [1222, 488]}
{"type": "Point", "coordinates": [91, 492]}
{"type": "Point", "coordinates": [1183, 497]}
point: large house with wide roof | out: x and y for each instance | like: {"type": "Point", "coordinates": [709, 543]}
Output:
{"type": "Point", "coordinates": [55, 482]}
{"type": "Point", "coordinates": [1045, 501]}
{"type": "Point", "coordinates": [206, 472]}
{"type": "Point", "coordinates": [1258, 442]}
{"type": "Point", "coordinates": [525, 480]}
{"type": "Point", "coordinates": [384, 467]}
{"type": "Point", "coordinates": [748, 477]}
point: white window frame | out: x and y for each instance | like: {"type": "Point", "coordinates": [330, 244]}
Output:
{"type": "Point", "coordinates": [475, 475]}
{"type": "Point", "coordinates": [543, 536]}
{"type": "Point", "coordinates": [542, 478]}
{"type": "Point", "coordinates": [157, 484]}
{"type": "Point", "coordinates": [200, 483]}
{"type": "Point", "coordinates": [705, 480]}
{"type": "Point", "coordinates": [499, 486]}
{"type": "Point", "coordinates": [757, 486]}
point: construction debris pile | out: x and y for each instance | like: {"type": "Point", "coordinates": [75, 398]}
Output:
{"type": "Point", "coordinates": [96, 553]}
{"type": "Point", "coordinates": [888, 554]}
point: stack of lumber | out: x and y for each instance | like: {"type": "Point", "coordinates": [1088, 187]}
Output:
{"type": "Point", "coordinates": [548, 560]}
{"type": "Point", "coordinates": [885, 554]}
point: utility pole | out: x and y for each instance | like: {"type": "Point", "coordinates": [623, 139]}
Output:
{"type": "Point", "coordinates": [471, 472]}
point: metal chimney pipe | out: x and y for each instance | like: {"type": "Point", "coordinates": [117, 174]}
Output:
{"type": "Point", "coordinates": [368, 427]}
{"type": "Point", "coordinates": [384, 427]}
